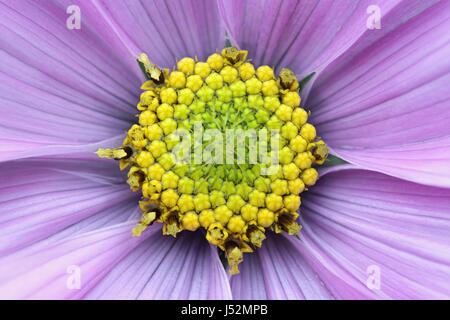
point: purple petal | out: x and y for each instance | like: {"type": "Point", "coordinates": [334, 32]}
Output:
{"type": "Point", "coordinates": [359, 224]}
{"type": "Point", "coordinates": [277, 271]}
{"type": "Point", "coordinates": [166, 30]}
{"type": "Point", "coordinates": [59, 87]}
{"type": "Point", "coordinates": [165, 268]}
{"type": "Point", "coordinates": [302, 35]}
{"type": "Point", "coordinates": [48, 273]}
{"type": "Point", "coordinates": [39, 198]}
{"type": "Point", "coordinates": [384, 104]}
{"type": "Point", "coordinates": [250, 283]}
{"type": "Point", "coordinates": [83, 151]}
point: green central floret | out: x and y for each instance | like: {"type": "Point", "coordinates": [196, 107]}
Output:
{"type": "Point", "coordinates": [237, 200]}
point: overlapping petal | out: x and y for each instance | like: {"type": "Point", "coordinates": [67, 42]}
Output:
{"type": "Point", "coordinates": [384, 104]}
{"type": "Point", "coordinates": [67, 269]}
{"type": "Point", "coordinates": [39, 198]}
{"type": "Point", "coordinates": [165, 268]}
{"type": "Point", "coordinates": [379, 98]}
{"type": "Point", "coordinates": [305, 36]}
{"type": "Point", "coordinates": [277, 271]}
{"type": "Point", "coordinates": [59, 87]}
{"type": "Point", "coordinates": [368, 235]}
{"type": "Point", "coordinates": [166, 30]}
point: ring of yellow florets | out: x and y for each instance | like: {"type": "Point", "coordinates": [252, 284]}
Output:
{"type": "Point", "coordinates": [234, 204]}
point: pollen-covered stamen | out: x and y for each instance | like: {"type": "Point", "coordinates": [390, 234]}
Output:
{"type": "Point", "coordinates": [287, 221]}
{"type": "Point", "coordinates": [116, 153]}
{"type": "Point", "coordinates": [234, 251]}
{"type": "Point", "coordinates": [216, 234]}
{"type": "Point", "coordinates": [255, 234]}
{"type": "Point", "coordinates": [150, 70]}
{"type": "Point", "coordinates": [224, 99]}
{"type": "Point", "coordinates": [234, 256]}
{"type": "Point", "coordinates": [171, 224]}
{"type": "Point", "coordinates": [320, 151]}
{"type": "Point", "coordinates": [148, 206]}
{"type": "Point", "coordinates": [151, 211]}
{"type": "Point", "coordinates": [233, 56]}
{"type": "Point", "coordinates": [135, 178]}
{"type": "Point", "coordinates": [287, 80]}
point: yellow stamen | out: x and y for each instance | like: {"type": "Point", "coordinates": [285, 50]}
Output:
{"type": "Point", "coordinates": [116, 153]}
{"type": "Point", "coordinates": [286, 221]}
{"type": "Point", "coordinates": [150, 69]}
{"type": "Point", "coordinates": [288, 80]}
{"type": "Point", "coordinates": [235, 257]}
{"type": "Point", "coordinates": [255, 234]}
{"type": "Point", "coordinates": [171, 224]}
{"type": "Point", "coordinates": [216, 234]}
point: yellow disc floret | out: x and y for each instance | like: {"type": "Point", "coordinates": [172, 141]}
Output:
{"type": "Point", "coordinates": [274, 202]}
{"type": "Point", "coordinates": [222, 214]}
{"type": "Point", "coordinates": [253, 86]}
{"type": "Point", "coordinates": [309, 176]}
{"type": "Point", "coordinates": [186, 203]}
{"type": "Point", "coordinates": [265, 73]}
{"type": "Point", "coordinates": [308, 132]}
{"type": "Point", "coordinates": [249, 212]}
{"type": "Point", "coordinates": [214, 81]}
{"type": "Point", "coordinates": [168, 95]}
{"type": "Point", "coordinates": [236, 224]}
{"type": "Point", "coordinates": [190, 221]}
{"type": "Point", "coordinates": [164, 111]}
{"type": "Point", "coordinates": [194, 82]}
{"type": "Point", "coordinates": [206, 218]}
{"type": "Point", "coordinates": [215, 61]}
{"type": "Point", "coordinates": [270, 88]}
{"type": "Point", "coordinates": [169, 180]}
{"type": "Point", "coordinates": [147, 118]}
{"type": "Point", "coordinates": [229, 74]}
{"type": "Point", "coordinates": [246, 71]}
{"type": "Point", "coordinates": [202, 69]}
{"type": "Point", "coordinates": [265, 218]}
{"type": "Point", "coordinates": [177, 79]}
{"type": "Point", "coordinates": [201, 202]}
{"type": "Point", "coordinates": [169, 198]}
{"type": "Point", "coordinates": [186, 65]}
{"type": "Point", "coordinates": [144, 159]}
{"type": "Point", "coordinates": [291, 99]}
{"type": "Point", "coordinates": [153, 132]}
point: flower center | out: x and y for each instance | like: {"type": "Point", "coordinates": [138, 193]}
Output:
{"type": "Point", "coordinates": [222, 146]}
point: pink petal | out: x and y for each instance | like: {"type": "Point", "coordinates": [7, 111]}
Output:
{"type": "Point", "coordinates": [302, 35]}
{"type": "Point", "coordinates": [48, 273]}
{"type": "Point", "coordinates": [40, 198]}
{"type": "Point", "coordinates": [357, 222]}
{"type": "Point", "coordinates": [277, 271]}
{"type": "Point", "coordinates": [166, 268]}
{"type": "Point", "coordinates": [384, 104]}
{"type": "Point", "coordinates": [60, 87]}
{"type": "Point", "coordinates": [166, 30]}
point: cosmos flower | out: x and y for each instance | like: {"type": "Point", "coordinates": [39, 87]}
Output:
{"type": "Point", "coordinates": [374, 225]}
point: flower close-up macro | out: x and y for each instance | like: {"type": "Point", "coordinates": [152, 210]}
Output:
{"type": "Point", "coordinates": [225, 149]}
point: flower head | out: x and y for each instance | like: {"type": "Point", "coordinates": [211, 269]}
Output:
{"type": "Point", "coordinates": [234, 195]}
{"type": "Point", "coordinates": [374, 75]}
